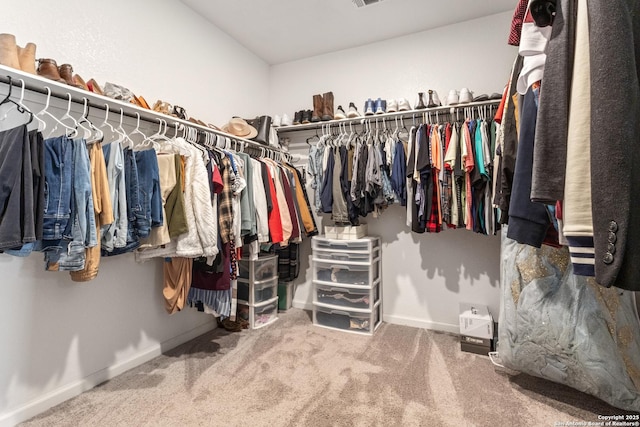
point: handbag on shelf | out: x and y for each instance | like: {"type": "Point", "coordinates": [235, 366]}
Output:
{"type": "Point", "coordinates": [263, 125]}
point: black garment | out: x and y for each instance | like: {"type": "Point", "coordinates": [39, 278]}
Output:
{"type": "Point", "coordinates": [267, 188]}
{"type": "Point", "coordinates": [37, 164]}
{"type": "Point", "coordinates": [345, 185]}
{"type": "Point", "coordinates": [528, 221]}
{"type": "Point", "coordinates": [326, 191]}
{"type": "Point", "coordinates": [509, 149]}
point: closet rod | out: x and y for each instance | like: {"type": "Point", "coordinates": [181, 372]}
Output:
{"type": "Point", "coordinates": [61, 91]}
{"type": "Point", "coordinates": [447, 109]}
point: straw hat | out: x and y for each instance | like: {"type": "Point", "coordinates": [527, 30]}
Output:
{"type": "Point", "coordinates": [239, 127]}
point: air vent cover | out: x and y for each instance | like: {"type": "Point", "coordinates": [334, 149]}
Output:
{"type": "Point", "coordinates": [363, 3]}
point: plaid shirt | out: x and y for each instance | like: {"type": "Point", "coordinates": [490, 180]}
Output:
{"type": "Point", "coordinates": [225, 209]}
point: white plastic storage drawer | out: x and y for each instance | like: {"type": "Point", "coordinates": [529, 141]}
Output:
{"type": "Point", "coordinates": [364, 323]}
{"type": "Point", "coordinates": [331, 272]}
{"type": "Point", "coordinates": [259, 315]}
{"type": "Point", "coordinates": [264, 268]}
{"type": "Point", "coordinates": [350, 257]}
{"type": "Point", "coordinates": [358, 245]}
{"type": "Point", "coordinates": [262, 291]}
{"type": "Point", "coordinates": [360, 299]}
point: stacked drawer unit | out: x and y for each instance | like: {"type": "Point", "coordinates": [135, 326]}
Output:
{"type": "Point", "coordinates": [347, 289]}
{"type": "Point", "coordinates": [258, 290]}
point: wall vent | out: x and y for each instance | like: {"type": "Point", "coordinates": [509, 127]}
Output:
{"type": "Point", "coordinates": [363, 3]}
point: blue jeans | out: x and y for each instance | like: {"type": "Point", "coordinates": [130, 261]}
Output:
{"type": "Point", "coordinates": [149, 192]}
{"type": "Point", "coordinates": [134, 208]}
{"type": "Point", "coordinates": [58, 161]}
{"type": "Point", "coordinates": [69, 255]}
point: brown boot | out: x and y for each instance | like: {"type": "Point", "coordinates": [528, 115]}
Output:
{"type": "Point", "coordinates": [327, 110]}
{"type": "Point", "coordinates": [49, 69]}
{"type": "Point", "coordinates": [9, 51]}
{"type": "Point", "coordinates": [317, 108]}
{"type": "Point", "coordinates": [27, 58]}
{"type": "Point", "coordinates": [66, 72]}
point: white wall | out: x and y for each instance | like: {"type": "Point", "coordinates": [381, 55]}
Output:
{"type": "Point", "coordinates": [59, 337]}
{"type": "Point", "coordinates": [424, 276]}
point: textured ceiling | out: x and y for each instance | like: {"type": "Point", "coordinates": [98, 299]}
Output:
{"type": "Point", "coordinates": [286, 30]}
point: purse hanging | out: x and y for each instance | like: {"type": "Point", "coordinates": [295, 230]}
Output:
{"type": "Point", "coordinates": [263, 126]}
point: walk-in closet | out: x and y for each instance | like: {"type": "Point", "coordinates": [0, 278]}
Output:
{"type": "Point", "coordinates": [320, 213]}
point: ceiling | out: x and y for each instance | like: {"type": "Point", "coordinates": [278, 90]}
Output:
{"type": "Point", "coordinates": [280, 31]}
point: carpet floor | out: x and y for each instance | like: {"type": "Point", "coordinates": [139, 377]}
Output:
{"type": "Point", "coordinates": [292, 373]}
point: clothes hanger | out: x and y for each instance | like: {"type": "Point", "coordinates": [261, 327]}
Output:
{"type": "Point", "coordinates": [145, 143]}
{"type": "Point", "coordinates": [15, 105]}
{"type": "Point", "coordinates": [97, 134]}
{"type": "Point", "coordinates": [126, 141]}
{"type": "Point", "coordinates": [106, 123]}
{"type": "Point", "coordinates": [72, 131]}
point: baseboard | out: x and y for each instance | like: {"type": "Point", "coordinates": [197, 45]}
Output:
{"type": "Point", "coordinates": [66, 392]}
{"type": "Point", "coordinates": [399, 320]}
{"type": "Point", "coordinates": [421, 323]}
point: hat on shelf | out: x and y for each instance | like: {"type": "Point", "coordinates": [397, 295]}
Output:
{"type": "Point", "coordinates": [240, 127]}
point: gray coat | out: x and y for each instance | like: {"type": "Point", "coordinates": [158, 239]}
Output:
{"type": "Point", "coordinates": [615, 140]}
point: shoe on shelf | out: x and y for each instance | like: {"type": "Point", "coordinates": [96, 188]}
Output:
{"type": "Point", "coordinates": [403, 105]}
{"type": "Point", "coordinates": [286, 120]}
{"type": "Point", "coordinates": [466, 96]}
{"type": "Point", "coordinates": [453, 98]}
{"type": "Point", "coordinates": [392, 107]}
{"type": "Point", "coordinates": [380, 106]}
{"type": "Point", "coordinates": [95, 88]}
{"type": "Point", "coordinates": [79, 82]}
{"type": "Point", "coordinates": [306, 117]}
{"type": "Point", "coordinates": [368, 107]}
{"type": "Point", "coordinates": [495, 96]}
{"type": "Point", "coordinates": [421, 104]}
{"type": "Point", "coordinates": [277, 121]}
{"type": "Point", "coordinates": [66, 72]}
{"type": "Point", "coordinates": [481, 98]}
{"type": "Point", "coordinates": [49, 69]}
{"type": "Point", "coordinates": [353, 111]}
{"type": "Point", "coordinates": [317, 108]}
{"type": "Point", "coordinates": [340, 114]}
{"type": "Point", "coordinates": [27, 58]}
{"type": "Point", "coordinates": [433, 101]}
{"type": "Point", "coordinates": [327, 106]}
{"type": "Point", "coordinates": [297, 117]}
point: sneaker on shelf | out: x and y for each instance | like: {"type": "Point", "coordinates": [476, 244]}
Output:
{"type": "Point", "coordinates": [466, 96]}
{"type": "Point", "coordinates": [339, 114]}
{"type": "Point", "coordinates": [286, 120]}
{"type": "Point", "coordinates": [297, 117]}
{"type": "Point", "coordinates": [353, 111]}
{"type": "Point", "coordinates": [403, 105]}
{"type": "Point", "coordinates": [368, 107]}
{"type": "Point", "coordinates": [380, 106]}
{"type": "Point", "coordinates": [422, 102]}
{"type": "Point", "coordinates": [481, 98]}
{"type": "Point", "coordinates": [453, 98]}
{"type": "Point", "coordinates": [277, 121]}
{"type": "Point", "coordinates": [495, 96]}
{"type": "Point", "coordinates": [392, 107]}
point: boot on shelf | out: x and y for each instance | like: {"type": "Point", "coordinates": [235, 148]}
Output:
{"type": "Point", "coordinates": [9, 51]}
{"type": "Point", "coordinates": [48, 68]}
{"type": "Point", "coordinates": [317, 108]}
{"type": "Point", "coordinates": [306, 117]}
{"type": "Point", "coordinates": [66, 72]}
{"type": "Point", "coordinates": [27, 58]}
{"type": "Point", "coordinates": [327, 106]}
